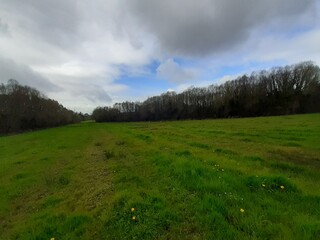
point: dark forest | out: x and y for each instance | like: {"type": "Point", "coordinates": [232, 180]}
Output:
{"type": "Point", "coordinates": [23, 108]}
{"type": "Point", "coordinates": [282, 90]}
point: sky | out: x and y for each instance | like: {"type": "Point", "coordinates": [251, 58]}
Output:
{"type": "Point", "coordinates": [93, 53]}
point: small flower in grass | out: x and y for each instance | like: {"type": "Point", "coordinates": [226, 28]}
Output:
{"type": "Point", "coordinates": [263, 185]}
{"type": "Point", "coordinates": [51, 238]}
{"type": "Point", "coordinates": [133, 209]}
{"type": "Point", "coordinates": [282, 187]}
{"type": "Point", "coordinates": [134, 218]}
{"type": "Point", "coordinates": [242, 210]}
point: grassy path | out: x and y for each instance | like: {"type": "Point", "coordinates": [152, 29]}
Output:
{"type": "Point", "coordinates": [252, 178]}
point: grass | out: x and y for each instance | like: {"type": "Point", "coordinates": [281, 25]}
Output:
{"type": "Point", "coordinates": [185, 180]}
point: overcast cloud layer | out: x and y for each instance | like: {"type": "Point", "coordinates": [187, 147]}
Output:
{"type": "Point", "coordinates": [204, 27]}
{"type": "Point", "coordinates": [85, 53]}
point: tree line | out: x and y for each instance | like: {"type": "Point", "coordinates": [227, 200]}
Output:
{"type": "Point", "coordinates": [23, 108]}
{"type": "Point", "coordinates": [282, 90]}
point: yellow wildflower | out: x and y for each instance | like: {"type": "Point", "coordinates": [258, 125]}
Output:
{"type": "Point", "coordinates": [134, 218]}
{"type": "Point", "coordinates": [51, 238]}
{"type": "Point", "coordinates": [132, 209]}
{"type": "Point", "coordinates": [263, 185]}
{"type": "Point", "coordinates": [282, 187]}
{"type": "Point", "coordinates": [242, 210]}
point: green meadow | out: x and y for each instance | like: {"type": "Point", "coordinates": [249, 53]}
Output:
{"type": "Point", "coordinates": [249, 178]}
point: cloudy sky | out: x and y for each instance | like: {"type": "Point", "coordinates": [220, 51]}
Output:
{"type": "Point", "coordinates": [95, 53]}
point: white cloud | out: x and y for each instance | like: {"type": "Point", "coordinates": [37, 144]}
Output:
{"type": "Point", "coordinates": [75, 51]}
{"type": "Point", "coordinates": [170, 90]}
{"type": "Point", "coordinates": [173, 72]}
{"type": "Point", "coordinates": [226, 78]}
{"type": "Point", "coordinates": [302, 47]}
{"type": "Point", "coordinates": [78, 69]}
{"type": "Point", "coordinates": [79, 47]}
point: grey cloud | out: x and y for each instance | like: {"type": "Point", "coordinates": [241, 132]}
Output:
{"type": "Point", "coordinates": [48, 35]}
{"type": "Point", "coordinates": [86, 88]}
{"type": "Point", "coordinates": [4, 28]}
{"type": "Point", "coordinates": [56, 22]}
{"type": "Point", "coordinates": [203, 27]}
{"type": "Point", "coordinates": [24, 75]}
{"type": "Point", "coordinates": [94, 93]}
{"type": "Point", "coordinates": [70, 24]}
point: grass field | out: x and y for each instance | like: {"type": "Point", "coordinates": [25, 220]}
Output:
{"type": "Point", "coordinates": [255, 178]}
